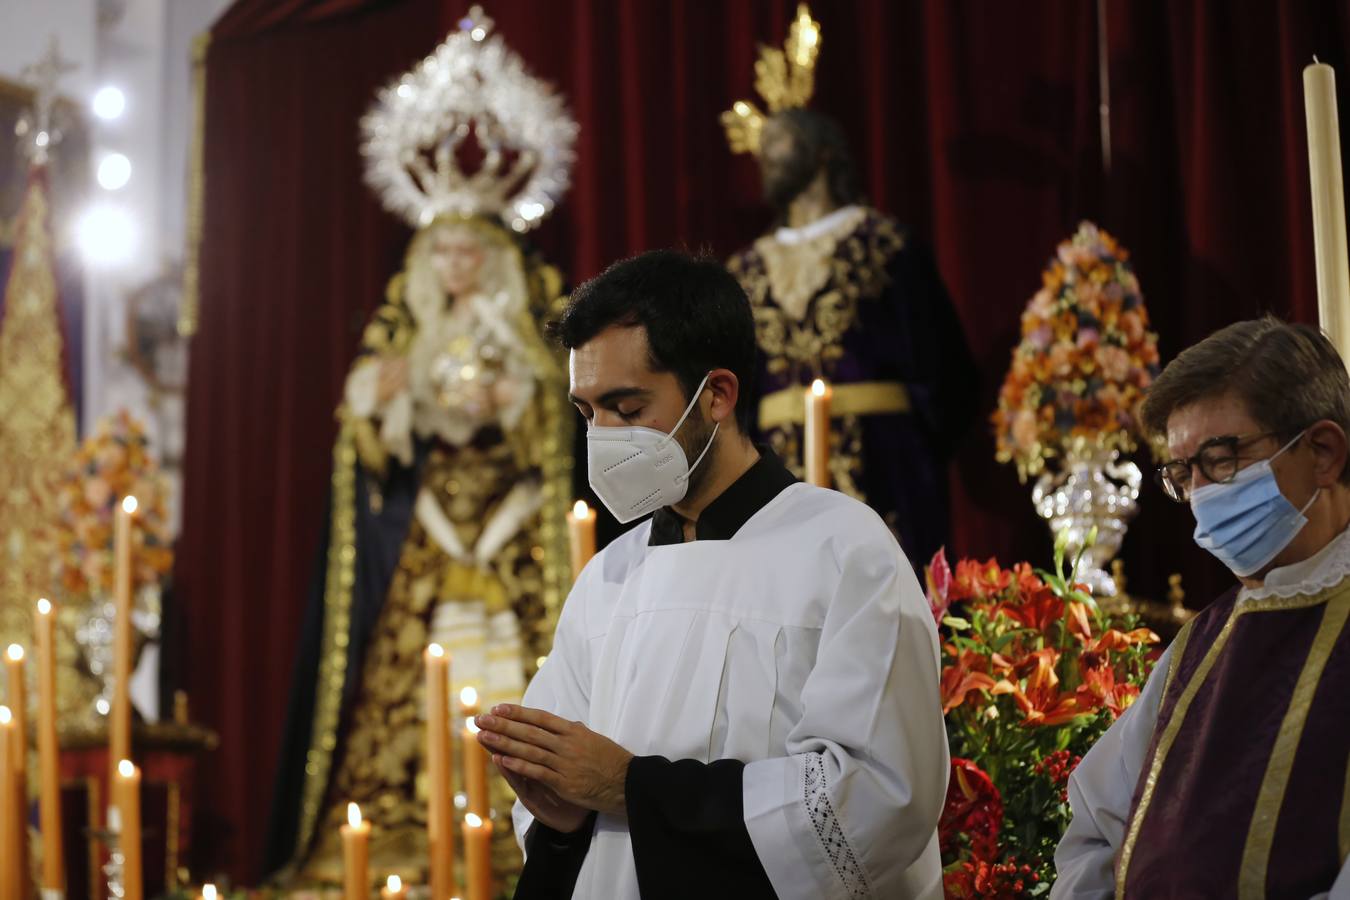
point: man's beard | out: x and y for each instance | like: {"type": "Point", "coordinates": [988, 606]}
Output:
{"type": "Point", "coordinates": [784, 181]}
{"type": "Point", "coordinates": [693, 439]}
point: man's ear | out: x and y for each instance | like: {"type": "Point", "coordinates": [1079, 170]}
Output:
{"type": "Point", "coordinates": [725, 391]}
{"type": "Point", "coordinates": [1331, 451]}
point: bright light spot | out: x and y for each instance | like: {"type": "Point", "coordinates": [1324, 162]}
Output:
{"type": "Point", "coordinates": [742, 108]}
{"type": "Point", "coordinates": [114, 172]}
{"type": "Point", "coordinates": [102, 705]}
{"type": "Point", "coordinates": [818, 388]}
{"type": "Point", "coordinates": [581, 511]}
{"type": "Point", "coordinates": [478, 33]}
{"type": "Point", "coordinates": [109, 103]}
{"type": "Point", "coordinates": [405, 91]}
{"type": "Point", "coordinates": [353, 815]}
{"type": "Point", "coordinates": [468, 696]}
{"type": "Point", "coordinates": [44, 607]}
{"type": "Point", "coordinates": [106, 235]}
{"type": "Point", "coordinates": [539, 663]}
{"type": "Point", "coordinates": [472, 820]}
{"type": "Point", "coordinates": [15, 652]}
{"type": "Point", "coordinates": [461, 801]}
{"type": "Point", "coordinates": [126, 769]}
{"type": "Point", "coordinates": [129, 504]}
{"type": "Point", "coordinates": [394, 884]}
{"type": "Point", "coordinates": [42, 139]}
{"type": "Point", "coordinates": [471, 725]}
{"type": "Point", "coordinates": [436, 650]}
{"type": "Point", "coordinates": [208, 892]}
{"type": "Point", "coordinates": [5, 715]}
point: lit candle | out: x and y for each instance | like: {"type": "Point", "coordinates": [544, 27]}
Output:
{"type": "Point", "coordinates": [478, 856]}
{"type": "Point", "coordinates": [119, 728]}
{"type": "Point", "coordinates": [127, 796]}
{"type": "Point", "coordinates": [18, 756]}
{"type": "Point", "coordinates": [817, 443]}
{"type": "Point", "coordinates": [49, 797]}
{"type": "Point", "coordinates": [9, 854]}
{"type": "Point", "coordinates": [208, 892]}
{"type": "Point", "coordinates": [356, 855]}
{"type": "Point", "coordinates": [440, 830]}
{"type": "Point", "coordinates": [1328, 202]}
{"type": "Point", "coordinates": [394, 889]}
{"type": "Point", "coordinates": [581, 529]}
{"type": "Point", "coordinates": [475, 757]}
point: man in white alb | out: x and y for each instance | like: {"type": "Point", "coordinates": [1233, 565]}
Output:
{"type": "Point", "coordinates": [742, 698]}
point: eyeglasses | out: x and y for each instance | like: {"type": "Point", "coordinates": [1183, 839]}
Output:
{"type": "Point", "coordinates": [1217, 460]}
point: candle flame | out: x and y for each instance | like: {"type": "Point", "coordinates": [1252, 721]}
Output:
{"type": "Point", "coordinates": [129, 504]}
{"type": "Point", "coordinates": [471, 725]}
{"type": "Point", "coordinates": [5, 715]}
{"type": "Point", "coordinates": [394, 884]}
{"type": "Point", "coordinates": [472, 820]}
{"type": "Point", "coordinates": [818, 387]}
{"type": "Point", "coordinates": [44, 607]}
{"type": "Point", "coordinates": [15, 652]}
{"type": "Point", "coordinates": [353, 815]}
{"type": "Point", "coordinates": [436, 650]}
{"type": "Point", "coordinates": [126, 769]}
{"type": "Point", "coordinates": [208, 892]}
{"type": "Point", "coordinates": [581, 512]}
{"type": "Point", "coordinates": [468, 696]}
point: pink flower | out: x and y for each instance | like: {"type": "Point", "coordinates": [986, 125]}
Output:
{"type": "Point", "coordinates": [1114, 363]}
{"type": "Point", "coordinates": [1088, 338]}
{"type": "Point", "coordinates": [939, 577]}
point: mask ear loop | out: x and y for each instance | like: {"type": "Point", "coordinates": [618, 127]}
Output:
{"type": "Point", "coordinates": [1317, 492]}
{"type": "Point", "coordinates": [685, 476]}
{"type": "Point", "coordinates": [688, 409]}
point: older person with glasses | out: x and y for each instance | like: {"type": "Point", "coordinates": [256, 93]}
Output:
{"type": "Point", "coordinates": [1230, 775]}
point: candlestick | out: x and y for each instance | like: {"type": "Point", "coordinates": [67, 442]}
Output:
{"type": "Point", "coordinates": [49, 797]}
{"type": "Point", "coordinates": [478, 856]}
{"type": "Point", "coordinates": [475, 757]}
{"type": "Point", "coordinates": [9, 851]}
{"type": "Point", "coordinates": [18, 757]}
{"type": "Point", "coordinates": [127, 796]}
{"type": "Point", "coordinates": [119, 725]}
{"type": "Point", "coordinates": [1328, 202]}
{"type": "Point", "coordinates": [440, 830]}
{"type": "Point", "coordinates": [816, 455]}
{"type": "Point", "coordinates": [356, 855]}
{"type": "Point", "coordinates": [394, 889]}
{"type": "Point", "coordinates": [581, 530]}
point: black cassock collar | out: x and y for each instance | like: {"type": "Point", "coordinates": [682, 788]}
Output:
{"type": "Point", "coordinates": [723, 517]}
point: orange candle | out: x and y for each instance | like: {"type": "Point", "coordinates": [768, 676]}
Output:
{"type": "Point", "coordinates": [817, 443]}
{"type": "Point", "coordinates": [1328, 202]}
{"type": "Point", "coordinates": [394, 889]}
{"type": "Point", "coordinates": [49, 797]}
{"type": "Point", "coordinates": [475, 757]}
{"type": "Point", "coordinates": [440, 830]}
{"type": "Point", "coordinates": [478, 856]}
{"type": "Point", "coordinates": [18, 756]}
{"type": "Point", "coordinates": [119, 728]}
{"type": "Point", "coordinates": [127, 796]}
{"type": "Point", "coordinates": [9, 853]}
{"type": "Point", "coordinates": [356, 855]}
{"type": "Point", "coordinates": [581, 529]}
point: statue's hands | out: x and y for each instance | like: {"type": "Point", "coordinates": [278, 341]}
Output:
{"type": "Point", "coordinates": [393, 379]}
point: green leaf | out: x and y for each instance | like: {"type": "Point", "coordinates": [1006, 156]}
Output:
{"type": "Point", "coordinates": [956, 623]}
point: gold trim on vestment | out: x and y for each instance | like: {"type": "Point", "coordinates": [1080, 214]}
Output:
{"type": "Point", "coordinates": [1169, 735]}
{"type": "Point", "coordinates": [859, 398]}
{"type": "Point", "coordinates": [337, 594]}
{"type": "Point", "coordinates": [1261, 833]}
{"type": "Point", "coordinates": [188, 309]}
{"type": "Point", "coordinates": [1345, 819]}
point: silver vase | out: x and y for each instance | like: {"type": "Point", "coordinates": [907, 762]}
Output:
{"type": "Point", "coordinates": [1091, 489]}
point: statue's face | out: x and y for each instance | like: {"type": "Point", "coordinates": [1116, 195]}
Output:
{"type": "Point", "coordinates": [786, 167]}
{"type": "Point", "coordinates": [457, 258]}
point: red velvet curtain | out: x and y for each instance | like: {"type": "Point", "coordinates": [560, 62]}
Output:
{"type": "Point", "coordinates": [975, 122]}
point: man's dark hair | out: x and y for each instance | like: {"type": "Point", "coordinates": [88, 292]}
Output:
{"type": "Point", "coordinates": [1288, 377]}
{"type": "Point", "coordinates": [821, 138]}
{"type": "Point", "coordinates": [695, 313]}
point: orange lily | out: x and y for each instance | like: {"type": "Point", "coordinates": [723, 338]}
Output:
{"type": "Point", "coordinates": [962, 677]}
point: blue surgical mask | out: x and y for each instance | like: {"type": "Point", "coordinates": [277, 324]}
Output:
{"type": "Point", "coordinates": [1246, 522]}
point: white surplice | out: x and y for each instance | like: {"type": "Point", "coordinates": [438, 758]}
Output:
{"type": "Point", "coordinates": [804, 647]}
{"type": "Point", "coordinates": [1101, 788]}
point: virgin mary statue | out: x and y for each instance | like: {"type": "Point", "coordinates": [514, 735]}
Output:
{"type": "Point", "coordinates": [452, 467]}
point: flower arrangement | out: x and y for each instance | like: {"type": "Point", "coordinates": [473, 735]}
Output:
{"type": "Point", "coordinates": [110, 464]}
{"type": "Point", "coordinates": [1085, 359]}
{"type": "Point", "coordinates": [1033, 673]}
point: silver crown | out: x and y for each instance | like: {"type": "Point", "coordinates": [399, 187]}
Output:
{"type": "Point", "coordinates": [418, 132]}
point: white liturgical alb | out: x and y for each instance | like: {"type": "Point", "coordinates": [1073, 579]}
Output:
{"type": "Point", "coordinates": [803, 647]}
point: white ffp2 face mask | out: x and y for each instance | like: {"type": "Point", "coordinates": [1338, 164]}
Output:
{"type": "Point", "coordinates": [636, 470]}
